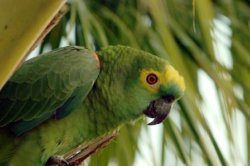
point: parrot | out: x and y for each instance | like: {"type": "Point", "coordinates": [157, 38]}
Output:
{"type": "Point", "coordinates": [57, 101]}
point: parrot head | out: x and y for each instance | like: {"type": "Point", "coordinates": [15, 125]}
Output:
{"type": "Point", "coordinates": [169, 87]}
{"type": "Point", "coordinates": [140, 83]}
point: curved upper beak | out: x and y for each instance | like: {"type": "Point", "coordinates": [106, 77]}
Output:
{"type": "Point", "coordinates": [159, 109]}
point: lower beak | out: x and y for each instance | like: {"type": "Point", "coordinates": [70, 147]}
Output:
{"type": "Point", "coordinates": [159, 109]}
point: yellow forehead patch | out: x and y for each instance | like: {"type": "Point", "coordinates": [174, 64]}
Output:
{"type": "Point", "coordinates": [170, 75]}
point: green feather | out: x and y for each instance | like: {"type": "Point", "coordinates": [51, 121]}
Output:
{"type": "Point", "coordinates": [40, 84]}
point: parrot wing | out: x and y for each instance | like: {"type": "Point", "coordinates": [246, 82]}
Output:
{"type": "Point", "coordinates": [53, 84]}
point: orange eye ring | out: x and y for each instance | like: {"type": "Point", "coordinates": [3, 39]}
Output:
{"type": "Point", "coordinates": [152, 79]}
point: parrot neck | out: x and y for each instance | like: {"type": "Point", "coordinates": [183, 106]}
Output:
{"type": "Point", "coordinates": [107, 110]}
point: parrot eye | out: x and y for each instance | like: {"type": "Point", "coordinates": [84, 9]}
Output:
{"type": "Point", "coordinates": [152, 79]}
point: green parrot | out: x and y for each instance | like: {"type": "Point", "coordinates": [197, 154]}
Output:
{"type": "Point", "coordinates": [60, 100]}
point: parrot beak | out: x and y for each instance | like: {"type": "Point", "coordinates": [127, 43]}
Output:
{"type": "Point", "coordinates": [159, 109]}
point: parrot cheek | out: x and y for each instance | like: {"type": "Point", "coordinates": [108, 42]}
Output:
{"type": "Point", "coordinates": [159, 109]}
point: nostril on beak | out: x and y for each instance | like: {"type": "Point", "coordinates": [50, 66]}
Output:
{"type": "Point", "coordinates": [168, 98]}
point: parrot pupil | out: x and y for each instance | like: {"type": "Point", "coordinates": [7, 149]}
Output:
{"type": "Point", "coordinates": [152, 79]}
